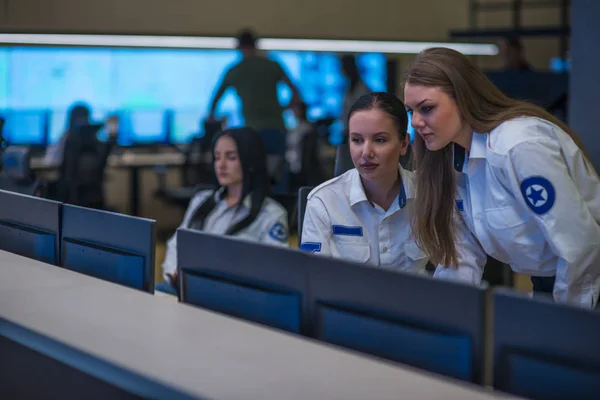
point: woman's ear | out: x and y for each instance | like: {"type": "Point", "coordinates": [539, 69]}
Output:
{"type": "Point", "coordinates": [405, 141]}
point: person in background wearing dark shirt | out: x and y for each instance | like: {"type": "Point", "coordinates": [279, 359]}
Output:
{"type": "Point", "coordinates": [513, 54]}
{"type": "Point", "coordinates": [255, 80]}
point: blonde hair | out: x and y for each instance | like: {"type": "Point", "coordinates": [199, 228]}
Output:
{"type": "Point", "coordinates": [483, 107]}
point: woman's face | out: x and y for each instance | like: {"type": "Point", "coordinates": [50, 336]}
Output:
{"type": "Point", "coordinates": [435, 116]}
{"type": "Point", "coordinates": [375, 144]}
{"type": "Point", "coordinates": [228, 167]}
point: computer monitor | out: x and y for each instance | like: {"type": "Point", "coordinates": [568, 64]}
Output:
{"type": "Point", "coordinates": [25, 127]}
{"type": "Point", "coordinates": [110, 246]}
{"type": "Point", "coordinates": [143, 127]}
{"type": "Point", "coordinates": [29, 226]}
{"type": "Point", "coordinates": [256, 282]}
{"type": "Point", "coordinates": [413, 319]}
{"type": "Point", "coordinates": [181, 80]}
{"type": "Point", "coordinates": [544, 350]}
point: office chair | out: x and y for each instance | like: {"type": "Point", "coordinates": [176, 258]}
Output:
{"type": "Point", "coordinates": [16, 174]}
{"type": "Point", "coordinates": [2, 142]}
{"type": "Point", "coordinates": [343, 163]}
{"type": "Point", "coordinates": [81, 180]}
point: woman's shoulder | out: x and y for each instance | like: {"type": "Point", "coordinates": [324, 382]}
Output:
{"type": "Point", "coordinates": [273, 207]}
{"type": "Point", "coordinates": [512, 133]}
{"type": "Point", "coordinates": [200, 197]}
{"type": "Point", "coordinates": [335, 186]}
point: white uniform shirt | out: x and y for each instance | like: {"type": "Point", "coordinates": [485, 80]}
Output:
{"type": "Point", "coordinates": [533, 202]}
{"type": "Point", "coordinates": [269, 227]}
{"type": "Point", "coordinates": [339, 221]}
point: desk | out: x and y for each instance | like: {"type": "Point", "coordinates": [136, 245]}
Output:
{"type": "Point", "coordinates": [195, 353]}
{"type": "Point", "coordinates": [134, 162]}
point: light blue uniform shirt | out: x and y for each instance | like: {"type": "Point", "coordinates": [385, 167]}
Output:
{"type": "Point", "coordinates": [269, 227]}
{"type": "Point", "coordinates": [532, 201]}
{"type": "Point", "coordinates": [341, 222]}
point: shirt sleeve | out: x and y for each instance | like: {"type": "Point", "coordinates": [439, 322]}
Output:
{"type": "Point", "coordinates": [538, 175]}
{"type": "Point", "coordinates": [471, 256]}
{"type": "Point", "coordinates": [170, 263]}
{"type": "Point", "coordinates": [276, 229]}
{"type": "Point", "coordinates": [230, 78]}
{"type": "Point", "coordinates": [316, 228]}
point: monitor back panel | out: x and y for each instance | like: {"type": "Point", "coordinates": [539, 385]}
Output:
{"type": "Point", "coordinates": [417, 320]}
{"type": "Point", "coordinates": [110, 246]}
{"type": "Point", "coordinates": [260, 283]}
{"type": "Point", "coordinates": [30, 226]}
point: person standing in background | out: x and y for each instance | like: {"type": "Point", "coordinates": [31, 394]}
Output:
{"type": "Point", "coordinates": [255, 80]}
{"type": "Point", "coordinates": [355, 89]}
{"type": "Point", "coordinates": [513, 55]}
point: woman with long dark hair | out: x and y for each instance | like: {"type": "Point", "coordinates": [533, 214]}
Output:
{"type": "Point", "coordinates": [79, 114]}
{"type": "Point", "coordinates": [239, 206]}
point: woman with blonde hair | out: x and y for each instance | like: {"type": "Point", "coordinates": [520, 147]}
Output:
{"type": "Point", "coordinates": [517, 176]}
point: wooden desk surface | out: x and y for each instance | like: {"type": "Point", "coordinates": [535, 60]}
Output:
{"type": "Point", "coordinates": [198, 352]}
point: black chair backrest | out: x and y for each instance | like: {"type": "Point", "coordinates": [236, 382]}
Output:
{"type": "Point", "coordinates": [311, 173]}
{"type": "Point", "coordinates": [343, 161]}
{"type": "Point", "coordinates": [2, 120]}
{"type": "Point", "coordinates": [16, 172]}
{"type": "Point", "coordinates": [194, 169]}
{"type": "Point", "coordinates": [82, 170]}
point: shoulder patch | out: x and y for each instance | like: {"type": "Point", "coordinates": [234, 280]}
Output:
{"type": "Point", "coordinates": [539, 194]}
{"type": "Point", "coordinates": [311, 247]}
{"type": "Point", "coordinates": [279, 232]}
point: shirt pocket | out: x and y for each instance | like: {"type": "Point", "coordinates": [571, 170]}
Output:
{"type": "Point", "coordinates": [516, 236]}
{"type": "Point", "coordinates": [355, 249]}
{"type": "Point", "coordinates": [505, 218]}
{"type": "Point", "coordinates": [413, 251]}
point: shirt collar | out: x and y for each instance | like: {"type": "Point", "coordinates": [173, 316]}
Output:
{"type": "Point", "coordinates": [357, 191]}
{"type": "Point", "coordinates": [220, 193]}
{"type": "Point", "coordinates": [478, 150]}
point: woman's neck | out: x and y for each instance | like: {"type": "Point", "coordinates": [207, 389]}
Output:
{"type": "Point", "coordinates": [382, 192]}
{"type": "Point", "coordinates": [234, 195]}
{"type": "Point", "coordinates": [464, 138]}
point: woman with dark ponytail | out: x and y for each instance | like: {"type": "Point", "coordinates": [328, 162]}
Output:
{"type": "Point", "coordinates": [239, 206]}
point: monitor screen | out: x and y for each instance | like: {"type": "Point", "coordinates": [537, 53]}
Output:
{"type": "Point", "coordinates": [142, 85]}
{"type": "Point", "coordinates": [143, 127]}
{"type": "Point", "coordinates": [4, 78]}
{"type": "Point", "coordinates": [24, 127]}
